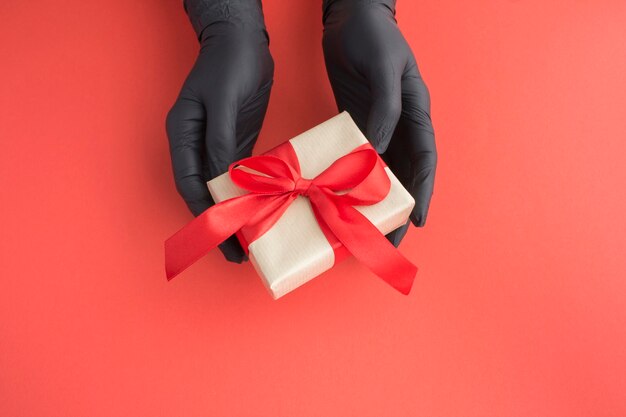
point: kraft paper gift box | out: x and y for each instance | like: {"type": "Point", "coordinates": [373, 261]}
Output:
{"type": "Point", "coordinates": [295, 249]}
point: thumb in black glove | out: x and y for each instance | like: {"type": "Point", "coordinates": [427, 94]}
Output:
{"type": "Point", "coordinates": [219, 112]}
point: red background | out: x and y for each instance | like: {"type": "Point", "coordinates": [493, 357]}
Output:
{"type": "Point", "coordinates": [519, 305]}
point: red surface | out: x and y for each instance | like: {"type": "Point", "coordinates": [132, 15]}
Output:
{"type": "Point", "coordinates": [519, 308]}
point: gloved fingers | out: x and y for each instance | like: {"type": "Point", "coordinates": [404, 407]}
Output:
{"type": "Point", "coordinates": [351, 94]}
{"type": "Point", "coordinates": [185, 126]}
{"type": "Point", "coordinates": [221, 133]}
{"type": "Point", "coordinates": [185, 131]}
{"type": "Point", "coordinates": [416, 97]}
{"type": "Point", "coordinates": [231, 132]}
{"type": "Point", "coordinates": [221, 145]}
{"type": "Point", "coordinates": [386, 102]}
{"type": "Point", "coordinates": [416, 130]}
{"type": "Point", "coordinates": [250, 120]}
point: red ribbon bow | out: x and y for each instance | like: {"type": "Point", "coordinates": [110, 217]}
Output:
{"type": "Point", "coordinates": [280, 182]}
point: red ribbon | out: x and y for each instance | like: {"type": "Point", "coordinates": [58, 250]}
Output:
{"type": "Point", "coordinates": [360, 171]}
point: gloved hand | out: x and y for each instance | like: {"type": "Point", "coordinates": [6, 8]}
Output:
{"type": "Point", "coordinates": [220, 109]}
{"type": "Point", "coordinates": [374, 76]}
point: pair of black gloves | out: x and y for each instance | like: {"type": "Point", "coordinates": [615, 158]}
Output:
{"type": "Point", "coordinates": [218, 115]}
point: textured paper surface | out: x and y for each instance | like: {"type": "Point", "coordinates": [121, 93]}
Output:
{"type": "Point", "coordinates": [295, 249]}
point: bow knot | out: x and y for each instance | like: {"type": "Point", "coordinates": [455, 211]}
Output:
{"type": "Point", "coordinates": [302, 186]}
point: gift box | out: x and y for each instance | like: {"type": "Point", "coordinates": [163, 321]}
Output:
{"type": "Point", "coordinates": [303, 206]}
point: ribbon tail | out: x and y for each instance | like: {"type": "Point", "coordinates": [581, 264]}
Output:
{"type": "Point", "coordinates": [368, 245]}
{"type": "Point", "coordinates": [208, 230]}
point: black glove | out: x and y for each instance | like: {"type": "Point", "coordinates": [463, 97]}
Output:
{"type": "Point", "coordinates": [374, 76]}
{"type": "Point", "coordinates": [220, 110]}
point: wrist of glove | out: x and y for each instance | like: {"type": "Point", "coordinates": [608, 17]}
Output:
{"type": "Point", "coordinates": [244, 15]}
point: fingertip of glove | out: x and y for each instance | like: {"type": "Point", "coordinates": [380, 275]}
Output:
{"type": "Point", "coordinates": [235, 258]}
{"type": "Point", "coordinates": [381, 147]}
{"type": "Point", "coordinates": [417, 222]}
